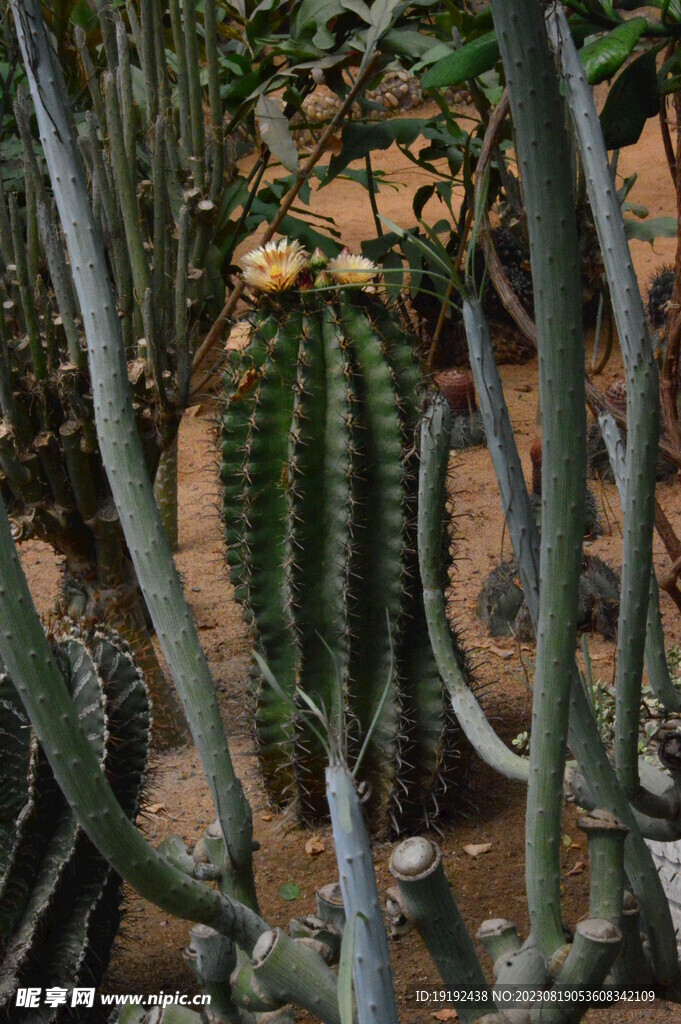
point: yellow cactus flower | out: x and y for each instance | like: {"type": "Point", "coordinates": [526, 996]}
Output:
{"type": "Point", "coordinates": [274, 267]}
{"type": "Point", "coordinates": [346, 268]}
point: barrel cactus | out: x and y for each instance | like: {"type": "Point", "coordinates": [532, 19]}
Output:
{"type": "Point", "coordinates": [319, 474]}
{"type": "Point", "coordinates": [59, 899]}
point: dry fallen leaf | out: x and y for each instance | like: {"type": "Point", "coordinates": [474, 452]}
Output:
{"type": "Point", "coordinates": [576, 870]}
{"type": "Point", "coordinates": [445, 1015]}
{"type": "Point", "coordinates": [156, 808]}
{"type": "Point", "coordinates": [477, 849]}
{"type": "Point", "coordinates": [314, 846]}
{"type": "Point", "coordinates": [194, 410]}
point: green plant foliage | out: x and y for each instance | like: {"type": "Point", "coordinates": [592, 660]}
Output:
{"type": "Point", "coordinates": [604, 56]}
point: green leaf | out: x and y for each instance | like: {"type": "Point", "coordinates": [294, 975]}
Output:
{"type": "Point", "coordinates": [276, 133]}
{"type": "Point", "coordinates": [631, 101]}
{"type": "Point", "coordinates": [649, 230]}
{"type": "Point", "coordinates": [315, 14]}
{"type": "Point", "coordinates": [347, 956]}
{"type": "Point", "coordinates": [470, 61]}
{"type": "Point", "coordinates": [404, 42]}
{"type": "Point", "coordinates": [289, 890]}
{"type": "Point", "coordinates": [423, 194]}
{"type": "Point", "coordinates": [605, 56]}
{"type": "Point", "coordinates": [359, 8]}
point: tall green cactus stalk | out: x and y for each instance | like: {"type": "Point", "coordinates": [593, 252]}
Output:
{"type": "Point", "coordinates": [59, 899]}
{"type": "Point", "coordinates": [544, 158]}
{"type": "Point", "coordinates": [320, 477]}
{"type": "Point", "coordinates": [122, 451]}
{"type": "Point", "coordinates": [642, 404]}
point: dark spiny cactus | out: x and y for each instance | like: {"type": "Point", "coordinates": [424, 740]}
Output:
{"type": "Point", "coordinates": [320, 477]}
{"type": "Point", "coordinates": [59, 899]}
{"type": "Point", "coordinates": [659, 296]}
{"type": "Point", "coordinates": [597, 452]}
{"type": "Point", "coordinates": [501, 604]}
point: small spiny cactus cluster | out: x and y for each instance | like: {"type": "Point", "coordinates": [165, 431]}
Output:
{"type": "Point", "coordinates": [59, 899]}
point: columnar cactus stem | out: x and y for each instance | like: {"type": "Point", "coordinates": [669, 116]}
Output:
{"type": "Point", "coordinates": [500, 939]}
{"type": "Point", "coordinates": [289, 972]}
{"type": "Point", "coordinates": [182, 81]}
{"type": "Point", "coordinates": [125, 95]}
{"type": "Point", "coordinates": [545, 160]}
{"type": "Point", "coordinates": [122, 451]}
{"type": "Point", "coordinates": [149, 58]}
{"type": "Point", "coordinates": [26, 289]}
{"type": "Point", "coordinates": [90, 73]}
{"type": "Point", "coordinates": [642, 402]}
{"type": "Point", "coordinates": [435, 431]}
{"type": "Point", "coordinates": [632, 967]}
{"type": "Point", "coordinates": [215, 102]}
{"type": "Point", "coordinates": [198, 133]}
{"type": "Point", "coordinates": [165, 491]}
{"type": "Point", "coordinates": [606, 837]}
{"type": "Point", "coordinates": [181, 320]}
{"type": "Point", "coordinates": [515, 501]}
{"type": "Point", "coordinates": [428, 899]}
{"type": "Point", "coordinates": [373, 976]}
{"type": "Point", "coordinates": [59, 274]}
{"type": "Point", "coordinates": [594, 950]}
{"type": "Point", "coordinates": [106, 18]}
{"type": "Point", "coordinates": [655, 653]}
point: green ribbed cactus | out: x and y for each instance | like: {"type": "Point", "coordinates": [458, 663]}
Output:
{"type": "Point", "coordinates": [319, 480]}
{"type": "Point", "coordinates": [59, 899]}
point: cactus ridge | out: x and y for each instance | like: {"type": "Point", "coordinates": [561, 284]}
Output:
{"type": "Point", "coordinates": [58, 924]}
{"type": "Point", "coordinates": [320, 478]}
{"type": "Point", "coordinates": [265, 544]}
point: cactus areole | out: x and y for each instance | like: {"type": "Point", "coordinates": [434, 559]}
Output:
{"type": "Point", "coordinates": [319, 474]}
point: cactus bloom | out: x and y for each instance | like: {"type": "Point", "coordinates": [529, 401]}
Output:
{"type": "Point", "coordinates": [274, 267]}
{"type": "Point", "coordinates": [346, 268]}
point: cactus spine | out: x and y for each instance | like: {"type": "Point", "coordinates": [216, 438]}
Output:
{"type": "Point", "coordinates": [320, 481]}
